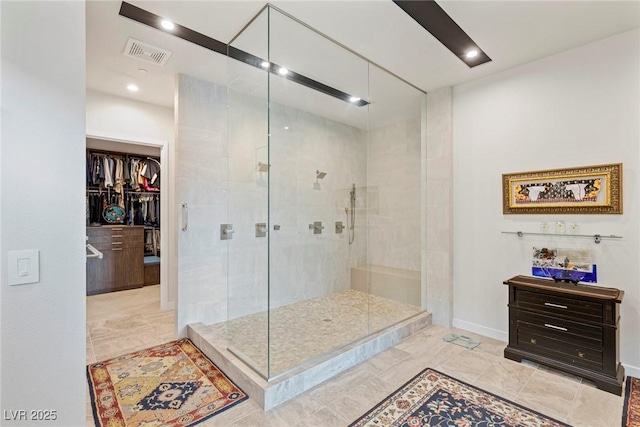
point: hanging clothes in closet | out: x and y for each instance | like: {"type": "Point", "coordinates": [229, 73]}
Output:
{"type": "Point", "coordinates": [123, 172]}
{"type": "Point", "coordinates": [152, 241]}
{"type": "Point", "coordinates": [132, 182]}
{"type": "Point", "coordinates": [143, 208]}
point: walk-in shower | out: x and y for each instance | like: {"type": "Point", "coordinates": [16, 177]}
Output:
{"type": "Point", "coordinates": [301, 289]}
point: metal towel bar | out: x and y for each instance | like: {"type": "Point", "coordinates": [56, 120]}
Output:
{"type": "Point", "coordinates": [94, 252]}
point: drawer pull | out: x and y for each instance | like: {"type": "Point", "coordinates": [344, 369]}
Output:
{"type": "Point", "coordinates": [116, 243]}
{"type": "Point", "coordinates": [554, 305]}
{"type": "Point", "coordinates": [116, 235]}
{"type": "Point", "coordinates": [116, 249]}
{"type": "Point", "coordinates": [533, 341]}
{"type": "Point", "coordinates": [560, 328]}
{"type": "Point", "coordinates": [116, 229]}
{"type": "Point", "coordinates": [580, 354]}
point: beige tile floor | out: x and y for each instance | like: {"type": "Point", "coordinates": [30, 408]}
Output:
{"type": "Point", "coordinates": [126, 321]}
{"type": "Point", "coordinates": [130, 320]}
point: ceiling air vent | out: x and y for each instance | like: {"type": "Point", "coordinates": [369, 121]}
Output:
{"type": "Point", "coordinates": [146, 52]}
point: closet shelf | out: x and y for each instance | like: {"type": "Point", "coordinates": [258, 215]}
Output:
{"type": "Point", "coordinates": [597, 238]}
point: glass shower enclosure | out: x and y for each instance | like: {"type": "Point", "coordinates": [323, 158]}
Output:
{"type": "Point", "coordinates": [324, 196]}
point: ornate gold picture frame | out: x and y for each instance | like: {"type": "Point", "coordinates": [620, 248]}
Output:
{"type": "Point", "coordinates": [582, 190]}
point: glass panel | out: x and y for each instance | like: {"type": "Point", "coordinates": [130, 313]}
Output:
{"type": "Point", "coordinates": [318, 154]}
{"type": "Point", "coordinates": [335, 181]}
{"type": "Point", "coordinates": [393, 200]}
{"type": "Point", "coordinates": [247, 285]}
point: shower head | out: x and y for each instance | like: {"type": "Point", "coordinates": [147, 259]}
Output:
{"type": "Point", "coordinates": [263, 167]}
{"type": "Point", "coordinates": [320, 175]}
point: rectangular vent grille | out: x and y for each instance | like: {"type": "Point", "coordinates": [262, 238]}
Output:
{"type": "Point", "coordinates": [146, 52]}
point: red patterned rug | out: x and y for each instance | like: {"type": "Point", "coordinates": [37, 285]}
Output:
{"type": "Point", "coordinates": [432, 398]}
{"type": "Point", "coordinates": [631, 411]}
{"type": "Point", "coordinates": [173, 384]}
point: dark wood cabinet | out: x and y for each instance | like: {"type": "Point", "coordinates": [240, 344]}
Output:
{"type": "Point", "coordinates": [573, 328]}
{"type": "Point", "coordinates": [151, 273]}
{"type": "Point", "coordinates": [122, 265]}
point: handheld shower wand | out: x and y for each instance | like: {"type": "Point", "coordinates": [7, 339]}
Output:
{"type": "Point", "coordinates": [351, 214]}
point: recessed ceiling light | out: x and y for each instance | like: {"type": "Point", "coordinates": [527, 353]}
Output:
{"type": "Point", "coordinates": [264, 64]}
{"type": "Point", "coordinates": [471, 54]}
{"type": "Point", "coordinates": [168, 25]}
{"type": "Point", "coordinates": [286, 128]}
{"type": "Point", "coordinates": [354, 99]}
{"type": "Point", "coordinates": [142, 71]}
{"type": "Point", "coordinates": [132, 87]}
{"type": "Point", "coordinates": [283, 71]}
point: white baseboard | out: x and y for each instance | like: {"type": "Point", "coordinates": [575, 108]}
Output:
{"type": "Point", "coordinates": [481, 330]}
{"type": "Point", "coordinates": [631, 371]}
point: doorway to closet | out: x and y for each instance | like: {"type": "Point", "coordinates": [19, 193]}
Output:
{"type": "Point", "coordinates": [125, 220]}
{"type": "Point", "coordinates": [123, 215]}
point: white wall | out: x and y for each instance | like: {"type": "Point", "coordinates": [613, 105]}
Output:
{"type": "Point", "coordinates": [576, 108]}
{"type": "Point", "coordinates": [120, 119]}
{"type": "Point", "coordinates": [42, 176]}
{"type": "Point", "coordinates": [128, 119]}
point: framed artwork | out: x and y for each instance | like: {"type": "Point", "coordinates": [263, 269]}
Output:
{"type": "Point", "coordinates": [582, 190]}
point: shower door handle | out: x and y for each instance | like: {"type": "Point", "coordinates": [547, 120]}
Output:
{"type": "Point", "coordinates": [185, 217]}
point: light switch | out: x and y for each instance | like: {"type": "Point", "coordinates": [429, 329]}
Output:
{"type": "Point", "coordinates": [24, 267]}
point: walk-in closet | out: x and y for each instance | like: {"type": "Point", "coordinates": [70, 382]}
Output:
{"type": "Point", "coordinates": [122, 216]}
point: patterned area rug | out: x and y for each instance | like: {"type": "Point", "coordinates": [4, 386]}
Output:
{"type": "Point", "coordinates": [631, 411]}
{"type": "Point", "coordinates": [171, 384]}
{"type": "Point", "coordinates": [432, 398]}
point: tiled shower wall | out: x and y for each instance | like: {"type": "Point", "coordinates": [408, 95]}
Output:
{"type": "Point", "coordinates": [395, 195]}
{"type": "Point", "coordinates": [201, 182]}
{"type": "Point", "coordinates": [305, 265]}
{"type": "Point", "coordinates": [439, 209]}
{"type": "Point", "coordinates": [221, 183]}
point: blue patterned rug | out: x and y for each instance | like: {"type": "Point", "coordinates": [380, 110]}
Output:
{"type": "Point", "coordinates": [432, 398]}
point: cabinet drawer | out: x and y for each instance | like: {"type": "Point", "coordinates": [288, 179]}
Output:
{"type": "Point", "coordinates": [560, 350]}
{"type": "Point", "coordinates": [128, 231]}
{"type": "Point", "coordinates": [558, 305]}
{"type": "Point", "coordinates": [560, 329]}
{"type": "Point", "coordinates": [102, 246]}
{"type": "Point", "coordinates": [102, 238]}
{"type": "Point", "coordinates": [98, 230]}
{"type": "Point", "coordinates": [128, 243]}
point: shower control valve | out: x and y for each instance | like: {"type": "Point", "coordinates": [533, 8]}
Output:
{"type": "Point", "coordinates": [339, 227]}
{"type": "Point", "coordinates": [261, 229]}
{"type": "Point", "coordinates": [317, 227]}
{"type": "Point", "coordinates": [226, 231]}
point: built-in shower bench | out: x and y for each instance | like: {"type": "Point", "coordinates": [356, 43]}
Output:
{"type": "Point", "coordinates": [398, 284]}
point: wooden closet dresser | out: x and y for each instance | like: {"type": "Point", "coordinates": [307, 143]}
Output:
{"type": "Point", "coordinates": [573, 328]}
{"type": "Point", "coordinates": [122, 265]}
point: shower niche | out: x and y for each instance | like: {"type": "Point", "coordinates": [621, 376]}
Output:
{"type": "Point", "coordinates": [324, 155]}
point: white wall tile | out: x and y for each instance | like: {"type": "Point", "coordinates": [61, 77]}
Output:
{"type": "Point", "coordinates": [438, 209]}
